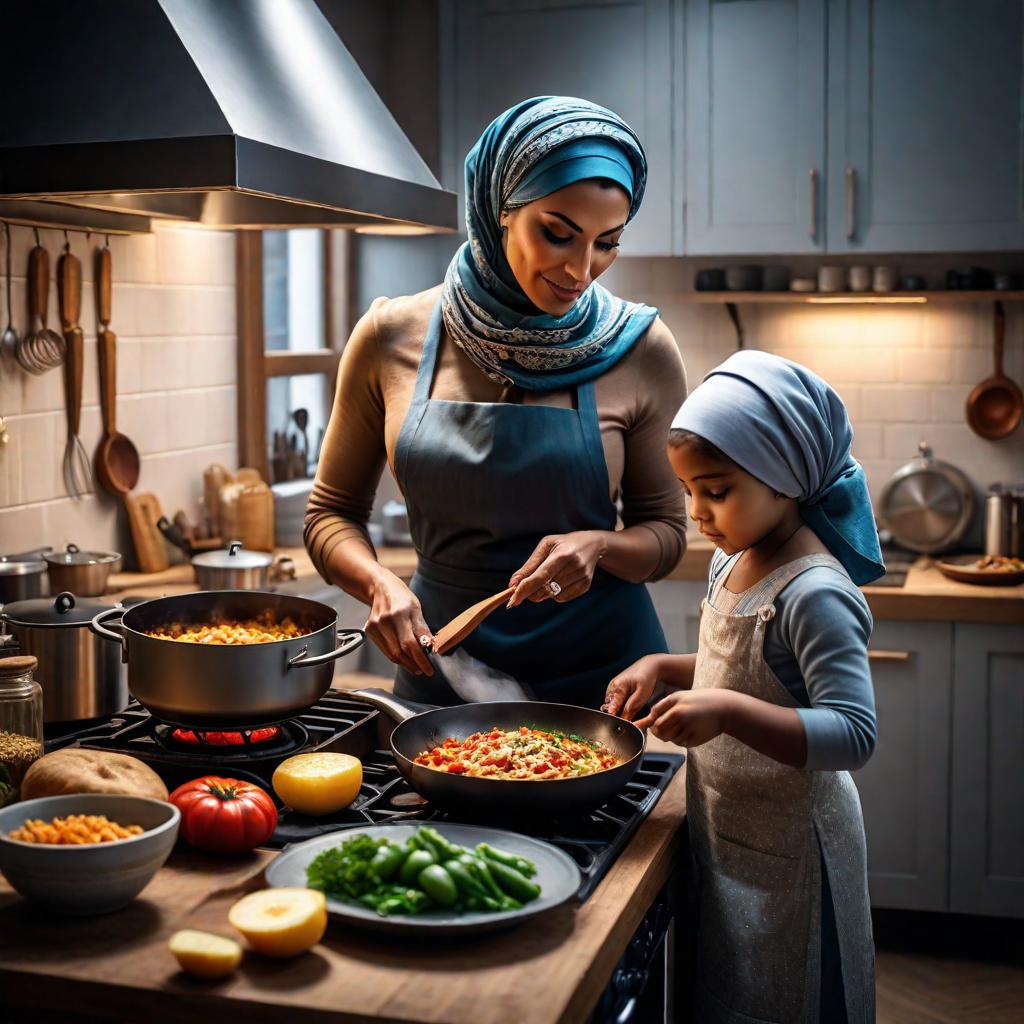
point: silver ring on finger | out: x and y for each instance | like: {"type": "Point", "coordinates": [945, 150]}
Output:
{"type": "Point", "coordinates": [554, 588]}
{"type": "Point", "coordinates": [425, 641]}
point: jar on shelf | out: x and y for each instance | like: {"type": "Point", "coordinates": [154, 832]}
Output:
{"type": "Point", "coordinates": [21, 723]}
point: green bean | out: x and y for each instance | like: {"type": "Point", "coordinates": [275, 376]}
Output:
{"type": "Point", "coordinates": [438, 885]}
{"type": "Point", "coordinates": [387, 860]}
{"type": "Point", "coordinates": [513, 883]}
{"type": "Point", "coordinates": [520, 864]}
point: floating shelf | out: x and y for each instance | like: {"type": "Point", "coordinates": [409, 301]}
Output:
{"type": "Point", "coordinates": [854, 298]}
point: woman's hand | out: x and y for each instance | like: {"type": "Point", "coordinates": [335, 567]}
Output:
{"type": "Point", "coordinates": [631, 689]}
{"type": "Point", "coordinates": [561, 567]}
{"type": "Point", "coordinates": [396, 624]}
{"type": "Point", "coordinates": [690, 717]}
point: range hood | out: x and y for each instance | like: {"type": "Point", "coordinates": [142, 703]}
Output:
{"type": "Point", "coordinates": [230, 113]}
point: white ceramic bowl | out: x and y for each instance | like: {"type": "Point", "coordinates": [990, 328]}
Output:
{"type": "Point", "coordinates": [92, 879]}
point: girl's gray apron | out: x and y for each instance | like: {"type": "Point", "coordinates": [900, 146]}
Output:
{"type": "Point", "coordinates": [761, 832]}
{"type": "Point", "coordinates": [483, 483]}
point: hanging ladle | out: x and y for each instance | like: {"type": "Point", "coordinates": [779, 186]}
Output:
{"type": "Point", "coordinates": [9, 339]}
{"type": "Point", "coordinates": [995, 405]}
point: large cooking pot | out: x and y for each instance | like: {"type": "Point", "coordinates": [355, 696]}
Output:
{"type": "Point", "coordinates": [228, 686]}
{"type": "Point", "coordinates": [420, 730]}
{"type": "Point", "coordinates": [23, 576]}
{"type": "Point", "coordinates": [81, 675]}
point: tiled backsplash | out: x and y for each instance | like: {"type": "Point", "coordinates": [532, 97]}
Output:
{"type": "Point", "coordinates": [174, 317]}
{"type": "Point", "coordinates": [904, 372]}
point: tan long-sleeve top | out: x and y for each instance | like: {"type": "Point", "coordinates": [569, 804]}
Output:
{"type": "Point", "coordinates": [636, 400]}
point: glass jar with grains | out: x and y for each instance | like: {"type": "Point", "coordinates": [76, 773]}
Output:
{"type": "Point", "coordinates": [21, 723]}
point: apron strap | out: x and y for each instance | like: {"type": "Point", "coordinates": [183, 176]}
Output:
{"type": "Point", "coordinates": [428, 357]}
{"type": "Point", "coordinates": [765, 592]}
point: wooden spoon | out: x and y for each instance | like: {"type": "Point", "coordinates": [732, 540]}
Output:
{"type": "Point", "coordinates": [995, 405]}
{"type": "Point", "coordinates": [452, 634]}
{"type": "Point", "coordinates": [117, 459]}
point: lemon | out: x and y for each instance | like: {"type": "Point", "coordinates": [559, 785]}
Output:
{"type": "Point", "coordinates": [319, 783]}
{"type": "Point", "coordinates": [205, 955]}
{"type": "Point", "coordinates": [281, 922]}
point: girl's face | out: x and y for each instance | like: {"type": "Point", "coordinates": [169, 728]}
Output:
{"type": "Point", "coordinates": [558, 244]}
{"type": "Point", "coordinates": [733, 509]}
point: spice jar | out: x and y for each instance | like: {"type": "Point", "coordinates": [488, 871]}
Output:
{"type": "Point", "coordinates": [21, 723]}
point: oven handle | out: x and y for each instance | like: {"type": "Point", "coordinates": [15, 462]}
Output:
{"type": "Point", "coordinates": [95, 626]}
{"type": "Point", "coordinates": [348, 641]}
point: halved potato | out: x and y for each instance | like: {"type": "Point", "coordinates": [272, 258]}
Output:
{"type": "Point", "coordinates": [204, 954]}
{"type": "Point", "coordinates": [281, 922]}
{"type": "Point", "coordinates": [318, 783]}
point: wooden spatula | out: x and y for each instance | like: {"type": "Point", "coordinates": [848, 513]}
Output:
{"type": "Point", "coordinates": [464, 623]}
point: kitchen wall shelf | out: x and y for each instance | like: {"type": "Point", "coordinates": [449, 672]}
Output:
{"type": "Point", "coordinates": [854, 298]}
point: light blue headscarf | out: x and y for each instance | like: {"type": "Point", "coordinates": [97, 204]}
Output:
{"type": "Point", "coordinates": [534, 149]}
{"type": "Point", "coordinates": [784, 425]}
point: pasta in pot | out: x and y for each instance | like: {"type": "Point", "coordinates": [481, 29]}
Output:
{"type": "Point", "coordinates": [522, 754]}
{"type": "Point", "coordinates": [259, 630]}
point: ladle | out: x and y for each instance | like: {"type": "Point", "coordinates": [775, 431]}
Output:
{"type": "Point", "coordinates": [995, 405]}
{"type": "Point", "coordinates": [9, 339]}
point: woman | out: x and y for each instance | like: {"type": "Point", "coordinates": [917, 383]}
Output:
{"type": "Point", "coordinates": [515, 404]}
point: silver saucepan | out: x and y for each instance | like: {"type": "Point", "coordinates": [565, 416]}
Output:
{"type": "Point", "coordinates": [228, 686]}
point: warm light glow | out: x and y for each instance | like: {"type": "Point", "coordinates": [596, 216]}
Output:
{"type": "Point", "coordinates": [395, 229]}
{"type": "Point", "coordinates": [835, 300]}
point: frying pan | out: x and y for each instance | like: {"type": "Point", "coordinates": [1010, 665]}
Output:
{"type": "Point", "coordinates": [419, 730]}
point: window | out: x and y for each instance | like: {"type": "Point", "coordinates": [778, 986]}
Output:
{"type": "Point", "coordinates": [292, 321]}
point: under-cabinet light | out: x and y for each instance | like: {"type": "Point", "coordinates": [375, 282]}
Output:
{"type": "Point", "coordinates": [835, 300]}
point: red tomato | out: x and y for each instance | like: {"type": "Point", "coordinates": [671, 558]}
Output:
{"type": "Point", "coordinates": [224, 815]}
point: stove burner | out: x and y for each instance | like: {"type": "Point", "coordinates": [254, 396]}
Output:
{"type": "Point", "coordinates": [222, 746]}
{"type": "Point", "coordinates": [248, 738]}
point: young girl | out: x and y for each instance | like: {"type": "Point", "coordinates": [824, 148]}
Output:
{"type": "Point", "coordinates": [776, 706]}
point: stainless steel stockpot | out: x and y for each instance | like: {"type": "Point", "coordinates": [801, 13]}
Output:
{"type": "Point", "coordinates": [231, 568]}
{"type": "Point", "coordinates": [82, 572]}
{"type": "Point", "coordinates": [228, 685]}
{"type": "Point", "coordinates": [23, 576]}
{"type": "Point", "coordinates": [81, 675]}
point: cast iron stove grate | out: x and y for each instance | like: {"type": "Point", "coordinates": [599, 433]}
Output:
{"type": "Point", "coordinates": [593, 839]}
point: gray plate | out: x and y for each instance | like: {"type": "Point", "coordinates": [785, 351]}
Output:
{"type": "Point", "coordinates": [557, 875]}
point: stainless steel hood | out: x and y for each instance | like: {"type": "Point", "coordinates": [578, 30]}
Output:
{"type": "Point", "coordinates": [232, 113]}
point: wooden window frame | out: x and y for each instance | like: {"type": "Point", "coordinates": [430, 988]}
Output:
{"type": "Point", "coordinates": [256, 365]}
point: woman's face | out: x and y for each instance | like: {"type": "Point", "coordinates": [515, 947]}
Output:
{"type": "Point", "coordinates": [558, 244]}
{"type": "Point", "coordinates": [733, 509]}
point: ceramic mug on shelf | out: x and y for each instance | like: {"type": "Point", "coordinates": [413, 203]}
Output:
{"type": "Point", "coordinates": [883, 279]}
{"type": "Point", "coordinates": [831, 278]}
{"type": "Point", "coordinates": [860, 278]}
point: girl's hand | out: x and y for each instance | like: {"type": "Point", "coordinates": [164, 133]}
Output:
{"type": "Point", "coordinates": [396, 624]}
{"type": "Point", "coordinates": [566, 560]}
{"type": "Point", "coordinates": [630, 690]}
{"type": "Point", "coordinates": [690, 717]}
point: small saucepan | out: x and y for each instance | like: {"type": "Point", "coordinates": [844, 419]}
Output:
{"type": "Point", "coordinates": [232, 568]}
{"type": "Point", "coordinates": [83, 573]}
{"type": "Point", "coordinates": [23, 576]}
{"type": "Point", "coordinates": [420, 730]}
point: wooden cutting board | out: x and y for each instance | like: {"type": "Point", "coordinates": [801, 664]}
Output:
{"type": "Point", "coordinates": [150, 548]}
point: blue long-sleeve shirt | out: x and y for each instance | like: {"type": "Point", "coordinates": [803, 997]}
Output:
{"type": "Point", "coordinates": [817, 647]}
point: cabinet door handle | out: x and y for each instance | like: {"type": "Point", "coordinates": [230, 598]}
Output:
{"type": "Point", "coordinates": [814, 202]}
{"type": "Point", "coordinates": [851, 203]}
{"type": "Point", "coordinates": [890, 655]}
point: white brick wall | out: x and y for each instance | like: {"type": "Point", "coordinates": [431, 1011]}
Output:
{"type": "Point", "coordinates": [174, 316]}
{"type": "Point", "coordinates": [903, 371]}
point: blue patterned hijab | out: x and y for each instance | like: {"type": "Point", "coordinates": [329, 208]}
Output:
{"type": "Point", "coordinates": [534, 149]}
{"type": "Point", "coordinates": [784, 425]}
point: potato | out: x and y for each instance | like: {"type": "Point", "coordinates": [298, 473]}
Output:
{"type": "Point", "coordinates": [74, 770]}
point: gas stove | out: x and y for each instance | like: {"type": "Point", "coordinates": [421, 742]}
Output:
{"type": "Point", "coordinates": [338, 723]}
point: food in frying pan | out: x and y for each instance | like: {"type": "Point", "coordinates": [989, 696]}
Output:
{"type": "Point", "coordinates": [519, 754]}
{"type": "Point", "coordinates": [262, 629]}
{"type": "Point", "coordinates": [427, 872]}
{"type": "Point", "coordinates": [74, 830]}
{"type": "Point", "coordinates": [999, 563]}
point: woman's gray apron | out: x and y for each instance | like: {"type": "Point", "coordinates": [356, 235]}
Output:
{"type": "Point", "coordinates": [761, 832]}
{"type": "Point", "coordinates": [483, 483]}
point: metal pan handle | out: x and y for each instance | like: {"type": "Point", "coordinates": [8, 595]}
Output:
{"type": "Point", "coordinates": [96, 627]}
{"type": "Point", "coordinates": [348, 641]}
{"type": "Point", "coordinates": [397, 708]}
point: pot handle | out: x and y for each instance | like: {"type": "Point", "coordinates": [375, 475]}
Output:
{"type": "Point", "coordinates": [349, 640]}
{"type": "Point", "coordinates": [108, 634]}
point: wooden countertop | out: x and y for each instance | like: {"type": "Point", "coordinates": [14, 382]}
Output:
{"type": "Point", "coordinates": [117, 965]}
{"type": "Point", "coordinates": [926, 596]}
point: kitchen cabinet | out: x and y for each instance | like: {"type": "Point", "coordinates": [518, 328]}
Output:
{"type": "Point", "coordinates": [987, 833]}
{"type": "Point", "coordinates": [904, 788]}
{"type": "Point", "coordinates": [677, 603]}
{"type": "Point", "coordinates": [924, 125]}
{"type": "Point", "coordinates": [755, 126]}
{"type": "Point", "coordinates": [614, 52]}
